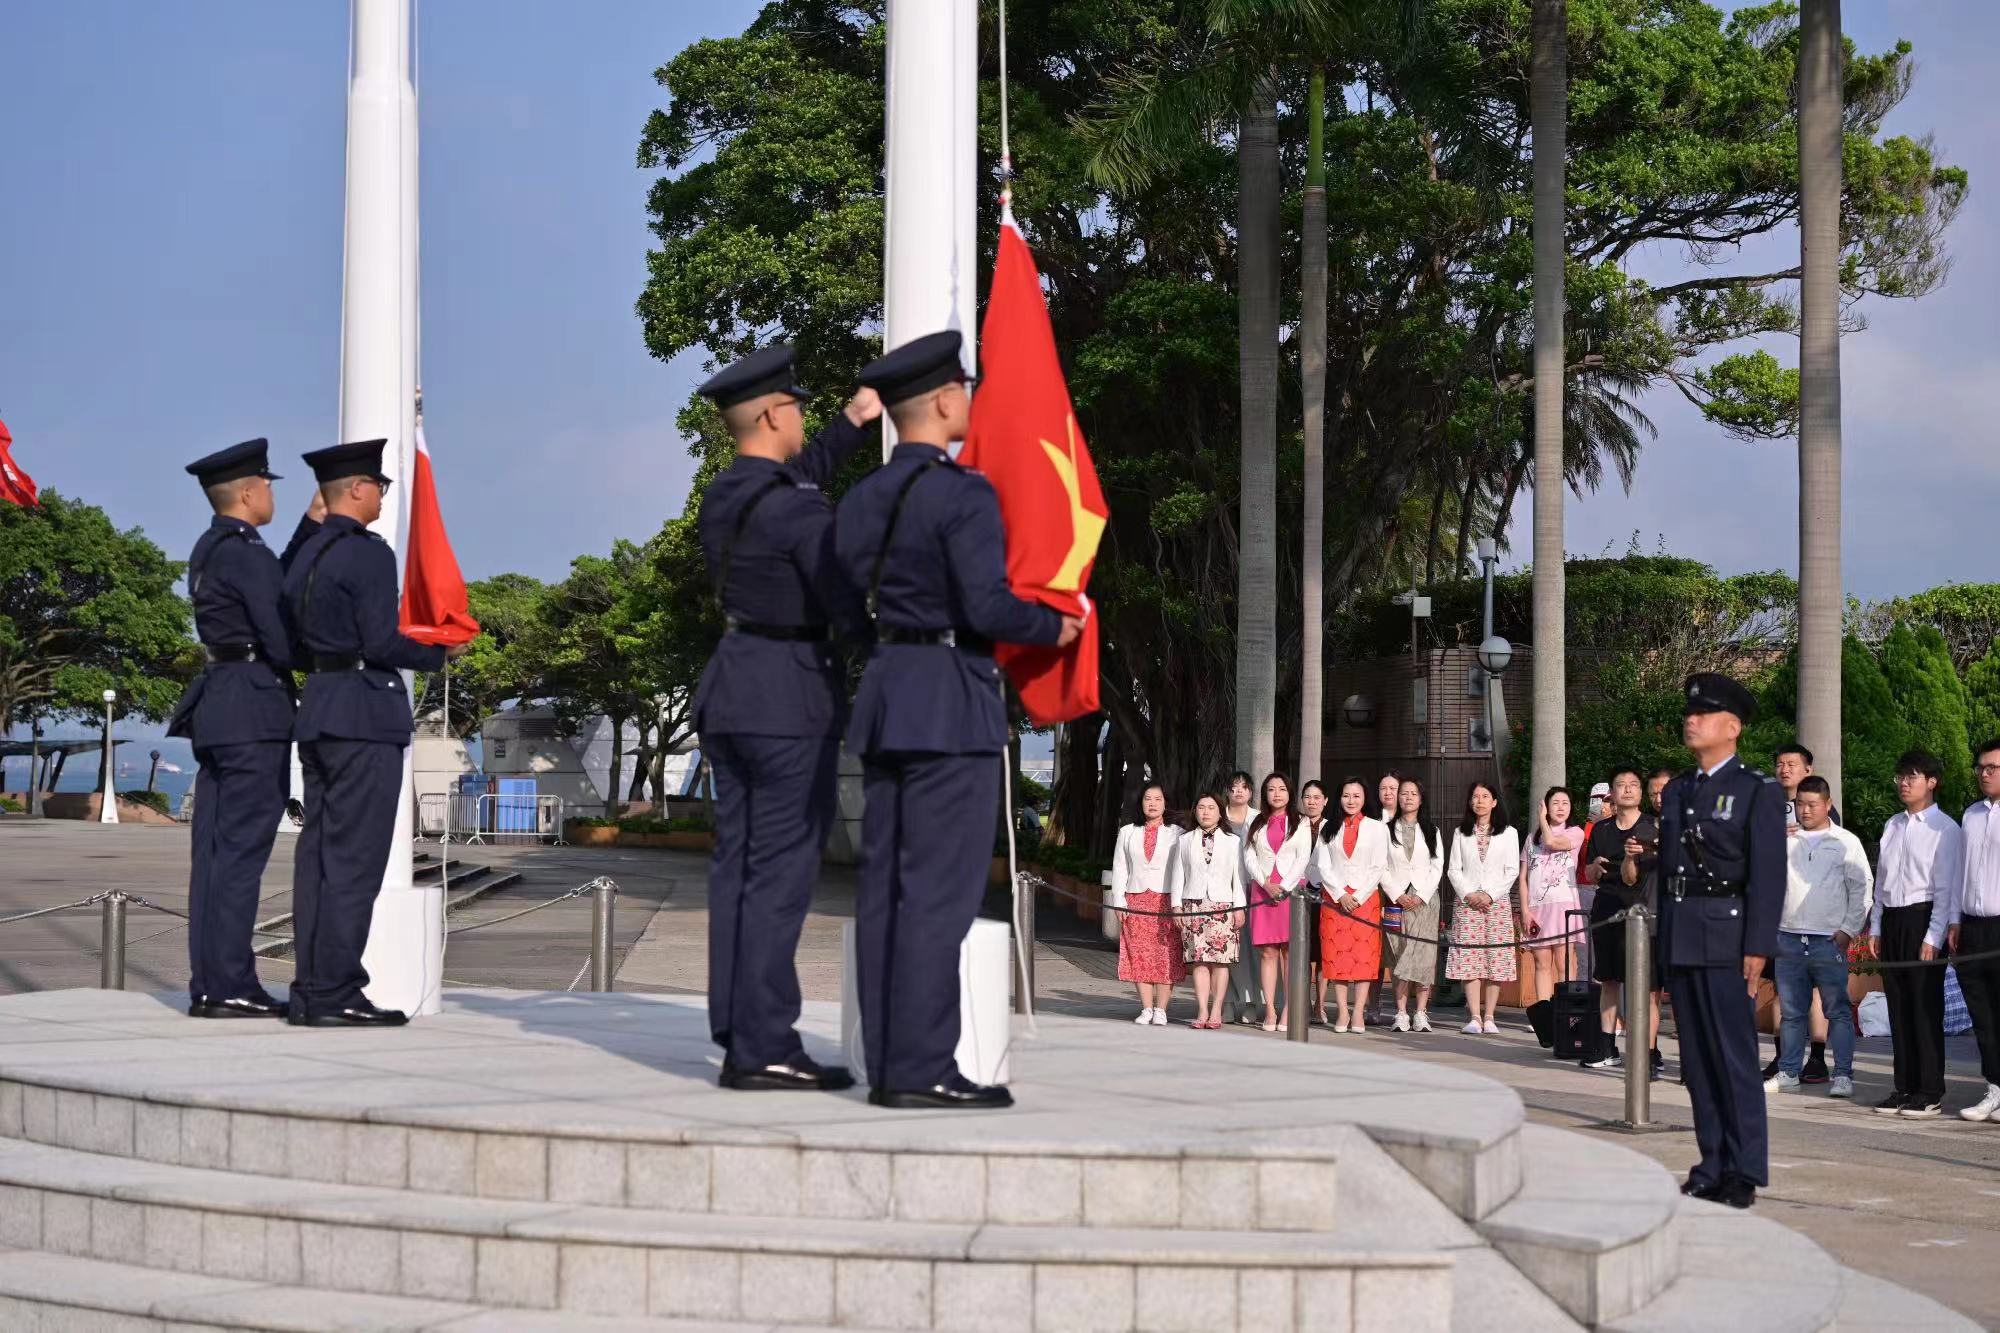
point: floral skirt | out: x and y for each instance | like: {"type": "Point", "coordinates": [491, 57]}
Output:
{"type": "Point", "coordinates": [1149, 946]}
{"type": "Point", "coordinates": [1209, 939]}
{"type": "Point", "coordinates": [1474, 925]}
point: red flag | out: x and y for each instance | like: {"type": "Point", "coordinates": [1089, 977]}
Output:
{"type": "Point", "coordinates": [434, 604]}
{"type": "Point", "coordinates": [16, 486]}
{"type": "Point", "coordinates": [1024, 437]}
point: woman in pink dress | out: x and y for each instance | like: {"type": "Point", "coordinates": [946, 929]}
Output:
{"type": "Point", "coordinates": [1149, 942]}
{"type": "Point", "coordinates": [1548, 894]}
{"type": "Point", "coordinates": [1276, 854]}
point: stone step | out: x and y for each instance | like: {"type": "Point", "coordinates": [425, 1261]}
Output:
{"type": "Point", "coordinates": [1869, 1304]}
{"type": "Point", "coordinates": [1591, 1225]}
{"type": "Point", "coordinates": [1738, 1267]}
{"type": "Point", "coordinates": [625, 1261]}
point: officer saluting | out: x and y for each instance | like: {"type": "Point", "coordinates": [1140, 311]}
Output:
{"type": "Point", "coordinates": [238, 714]}
{"type": "Point", "coordinates": [1722, 855]}
{"type": "Point", "coordinates": [354, 722]}
{"type": "Point", "coordinates": [923, 537]}
{"type": "Point", "coordinates": [768, 709]}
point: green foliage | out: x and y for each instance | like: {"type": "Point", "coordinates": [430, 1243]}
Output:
{"type": "Point", "coordinates": [1874, 733]}
{"type": "Point", "coordinates": [1931, 701]}
{"type": "Point", "coordinates": [1030, 793]}
{"type": "Point", "coordinates": [500, 663]}
{"type": "Point", "coordinates": [152, 800]}
{"type": "Point", "coordinates": [11, 804]}
{"type": "Point", "coordinates": [1065, 860]}
{"type": "Point", "coordinates": [654, 824]}
{"type": "Point", "coordinates": [1982, 696]}
{"type": "Point", "coordinates": [1750, 395]}
{"type": "Point", "coordinates": [1967, 614]}
{"type": "Point", "coordinates": [86, 607]}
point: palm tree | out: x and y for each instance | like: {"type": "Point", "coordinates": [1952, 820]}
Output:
{"type": "Point", "coordinates": [1549, 108]}
{"type": "Point", "coordinates": [1312, 375]}
{"type": "Point", "coordinates": [1820, 599]}
{"type": "Point", "coordinates": [1257, 358]}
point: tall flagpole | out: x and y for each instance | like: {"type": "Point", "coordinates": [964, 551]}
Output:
{"type": "Point", "coordinates": [378, 389]}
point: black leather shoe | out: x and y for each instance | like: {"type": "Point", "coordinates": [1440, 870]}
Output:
{"type": "Point", "coordinates": [1697, 1190]}
{"type": "Point", "coordinates": [799, 1074]}
{"type": "Point", "coordinates": [246, 1006]}
{"type": "Point", "coordinates": [1735, 1191]}
{"type": "Point", "coordinates": [955, 1092]}
{"type": "Point", "coordinates": [360, 1014]}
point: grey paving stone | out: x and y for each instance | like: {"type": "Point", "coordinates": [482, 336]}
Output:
{"type": "Point", "coordinates": [315, 1149]}
{"type": "Point", "coordinates": [1185, 1299]}
{"type": "Point", "coordinates": [258, 1143]}
{"type": "Point", "coordinates": [156, 1132]}
{"type": "Point", "coordinates": [673, 1176]}
{"type": "Point", "coordinates": [38, 1113]}
{"type": "Point", "coordinates": [882, 1293]}
{"type": "Point", "coordinates": [983, 1298]}
{"type": "Point", "coordinates": [173, 1238]}
{"type": "Point", "coordinates": [117, 1231]}
{"type": "Point", "coordinates": [10, 1109]}
{"type": "Point", "coordinates": [586, 1171]}
{"type": "Point", "coordinates": [442, 1161]}
{"type": "Point", "coordinates": [602, 1279]}
{"type": "Point", "coordinates": [1407, 1301]}
{"type": "Point", "coordinates": [844, 1184]}
{"type": "Point", "coordinates": [65, 1223]}
{"type": "Point", "coordinates": [1265, 1301]}
{"type": "Point", "coordinates": [350, 1258]}
{"type": "Point", "coordinates": [1324, 1303]}
{"type": "Point", "coordinates": [755, 1182]}
{"type": "Point", "coordinates": [283, 1251]}
{"type": "Point", "coordinates": [1218, 1195]}
{"type": "Point", "coordinates": [511, 1166]}
{"type": "Point", "coordinates": [698, 1283]}
{"type": "Point", "coordinates": [20, 1217]}
{"type": "Point", "coordinates": [375, 1155]}
{"type": "Point", "coordinates": [232, 1245]}
{"type": "Point", "coordinates": [204, 1137]}
{"type": "Point", "coordinates": [516, 1272]}
{"type": "Point", "coordinates": [786, 1289]}
{"type": "Point", "coordinates": [934, 1187]}
{"type": "Point", "coordinates": [438, 1266]}
{"type": "Point", "coordinates": [1030, 1190]}
{"type": "Point", "coordinates": [1083, 1298]}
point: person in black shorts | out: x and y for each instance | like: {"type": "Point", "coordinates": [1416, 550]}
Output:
{"type": "Point", "coordinates": [1621, 859]}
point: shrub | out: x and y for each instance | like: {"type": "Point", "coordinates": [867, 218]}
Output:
{"type": "Point", "coordinates": [11, 804]}
{"type": "Point", "coordinates": [152, 800]}
{"type": "Point", "coordinates": [1917, 664]}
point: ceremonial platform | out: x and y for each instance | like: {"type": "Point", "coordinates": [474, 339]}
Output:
{"type": "Point", "coordinates": [529, 1161]}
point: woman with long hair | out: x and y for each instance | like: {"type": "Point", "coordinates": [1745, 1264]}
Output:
{"type": "Point", "coordinates": [1275, 855]}
{"type": "Point", "coordinates": [1416, 865]}
{"type": "Point", "coordinates": [1149, 947]}
{"type": "Point", "coordinates": [1548, 894]}
{"type": "Point", "coordinates": [1238, 810]}
{"type": "Point", "coordinates": [1485, 860]}
{"type": "Point", "coordinates": [1205, 886]}
{"type": "Point", "coordinates": [1353, 858]}
{"type": "Point", "coordinates": [1312, 804]}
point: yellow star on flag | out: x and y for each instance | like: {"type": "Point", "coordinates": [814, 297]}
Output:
{"type": "Point", "coordinates": [1086, 527]}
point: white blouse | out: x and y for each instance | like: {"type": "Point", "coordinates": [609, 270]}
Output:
{"type": "Point", "coordinates": [1418, 873]}
{"type": "Point", "coordinates": [1216, 877]}
{"type": "Point", "coordinates": [1293, 857]}
{"type": "Point", "coordinates": [1131, 872]}
{"type": "Point", "coordinates": [1362, 873]}
{"type": "Point", "coordinates": [1495, 875]}
{"type": "Point", "coordinates": [1314, 830]}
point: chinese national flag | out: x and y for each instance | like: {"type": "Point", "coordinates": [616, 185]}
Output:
{"type": "Point", "coordinates": [16, 486]}
{"type": "Point", "coordinates": [1024, 437]}
{"type": "Point", "coordinates": [434, 604]}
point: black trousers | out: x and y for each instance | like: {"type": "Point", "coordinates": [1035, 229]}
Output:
{"type": "Point", "coordinates": [1981, 983]}
{"type": "Point", "coordinates": [926, 844]}
{"type": "Point", "coordinates": [1718, 1039]}
{"type": "Point", "coordinates": [1916, 1003]}
{"type": "Point", "coordinates": [351, 791]}
{"type": "Point", "coordinates": [239, 798]}
{"type": "Point", "coordinates": [774, 802]}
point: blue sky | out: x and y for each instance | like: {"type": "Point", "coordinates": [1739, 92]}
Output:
{"type": "Point", "coordinates": [170, 273]}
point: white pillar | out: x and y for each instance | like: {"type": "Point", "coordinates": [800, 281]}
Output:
{"type": "Point", "coordinates": [931, 261]}
{"type": "Point", "coordinates": [378, 392]}
{"type": "Point", "coordinates": [107, 812]}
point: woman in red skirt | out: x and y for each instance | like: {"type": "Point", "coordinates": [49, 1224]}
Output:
{"type": "Point", "coordinates": [1149, 946]}
{"type": "Point", "coordinates": [1353, 859]}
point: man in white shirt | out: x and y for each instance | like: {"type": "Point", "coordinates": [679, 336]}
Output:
{"type": "Point", "coordinates": [1826, 904]}
{"type": "Point", "coordinates": [1920, 871]}
{"type": "Point", "coordinates": [1975, 927]}
{"type": "Point", "coordinates": [1794, 764]}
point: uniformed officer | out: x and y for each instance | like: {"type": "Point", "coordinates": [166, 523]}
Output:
{"type": "Point", "coordinates": [238, 715]}
{"type": "Point", "coordinates": [769, 708]}
{"type": "Point", "coordinates": [353, 724]}
{"type": "Point", "coordinates": [1722, 857]}
{"type": "Point", "coordinates": [923, 537]}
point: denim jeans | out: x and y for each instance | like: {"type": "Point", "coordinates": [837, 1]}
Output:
{"type": "Point", "coordinates": [1806, 962]}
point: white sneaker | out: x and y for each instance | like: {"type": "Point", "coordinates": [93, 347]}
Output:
{"type": "Point", "coordinates": [1145, 1017]}
{"type": "Point", "coordinates": [1472, 1029]}
{"type": "Point", "coordinates": [1402, 1023]}
{"type": "Point", "coordinates": [1986, 1106]}
{"type": "Point", "coordinates": [1490, 1028]}
{"type": "Point", "coordinates": [1159, 1018]}
{"type": "Point", "coordinates": [1422, 1022]}
{"type": "Point", "coordinates": [1843, 1086]}
{"type": "Point", "coordinates": [1782, 1082]}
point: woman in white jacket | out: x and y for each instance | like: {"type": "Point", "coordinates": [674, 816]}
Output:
{"type": "Point", "coordinates": [1416, 867]}
{"type": "Point", "coordinates": [1276, 851]}
{"type": "Point", "coordinates": [1149, 947]}
{"type": "Point", "coordinates": [1205, 875]}
{"type": "Point", "coordinates": [1485, 861]}
{"type": "Point", "coordinates": [1352, 858]}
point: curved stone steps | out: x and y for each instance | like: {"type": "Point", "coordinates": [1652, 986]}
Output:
{"type": "Point", "coordinates": [1737, 1266]}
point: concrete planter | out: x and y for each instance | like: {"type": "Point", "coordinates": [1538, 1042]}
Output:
{"type": "Point", "coordinates": [579, 834]}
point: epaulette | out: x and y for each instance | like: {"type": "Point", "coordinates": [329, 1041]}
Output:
{"type": "Point", "coordinates": [368, 532]}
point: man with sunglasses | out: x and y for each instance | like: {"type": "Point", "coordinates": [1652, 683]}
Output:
{"type": "Point", "coordinates": [238, 715]}
{"type": "Point", "coordinates": [342, 596]}
{"type": "Point", "coordinates": [768, 708]}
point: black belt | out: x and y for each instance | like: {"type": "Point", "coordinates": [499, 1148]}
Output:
{"type": "Point", "coordinates": [783, 633]}
{"type": "Point", "coordinates": [1687, 886]}
{"type": "Point", "coordinates": [332, 662]}
{"type": "Point", "coordinates": [232, 652]}
{"type": "Point", "coordinates": [950, 638]}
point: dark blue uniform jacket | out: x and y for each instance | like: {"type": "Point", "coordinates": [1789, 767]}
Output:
{"type": "Point", "coordinates": [1740, 816]}
{"type": "Point", "coordinates": [236, 585]}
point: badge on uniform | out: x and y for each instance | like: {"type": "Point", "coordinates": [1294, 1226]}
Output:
{"type": "Point", "coordinates": [1725, 807]}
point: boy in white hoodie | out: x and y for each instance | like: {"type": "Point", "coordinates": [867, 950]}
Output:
{"type": "Point", "coordinates": [1827, 896]}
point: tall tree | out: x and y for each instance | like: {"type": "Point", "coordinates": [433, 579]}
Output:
{"type": "Point", "coordinates": [1821, 600]}
{"type": "Point", "coordinates": [1312, 381]}
{"type": "Point", "coordinates": [1549, 100]}
{"type": "Point", "coordinates": [1257, 359]}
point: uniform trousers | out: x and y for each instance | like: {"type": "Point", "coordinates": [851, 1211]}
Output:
{"type": "Point", "coordinates": [351, 794]}
{"type": "Point", "coordinates": [1916, 1003]}
{"type": "Point", "coordinates": [1718, 1038]}
{"type": "Point", "coordinates": [774, 802]}
{"type": "Point", "coordinates": [240, 794]}
{"type": "Point", "coordinates": [1981, 983]}
{"type": "Point", "coordinates": [926, 844]}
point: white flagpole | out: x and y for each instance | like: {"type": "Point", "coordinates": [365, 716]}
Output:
{"type": "Point", "coordinates": [378, 387]}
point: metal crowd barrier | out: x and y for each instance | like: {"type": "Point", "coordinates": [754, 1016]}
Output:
{"type": "Point", "coordinates": [495, 817]}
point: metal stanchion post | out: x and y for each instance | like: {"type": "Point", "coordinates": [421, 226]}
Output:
{"type": "Point", "coordinates": [600, 935]}
{"type": "Point", "coordinates": [1298, 987]}
{"type": "Point", "coordinates": [111, 966]}
{"type": "Point", "coordinates": [1638, 1023]}
{"type": "Point", "coordinates": [1024, 942]}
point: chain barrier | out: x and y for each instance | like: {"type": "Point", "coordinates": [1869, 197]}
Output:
{"type": "Point", "coordinates": [563, 897]}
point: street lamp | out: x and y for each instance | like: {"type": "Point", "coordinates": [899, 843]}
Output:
{"type": "Point", "coordinates": [1359, 711]}
{"type": "Point", "coordinates": [108, 814]}
{"type": "Point", "coordinates": [153, 773]}
{"type": "Point", "coordinates": [1495, 653]}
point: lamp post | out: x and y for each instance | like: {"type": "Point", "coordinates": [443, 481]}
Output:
{"type": "Point", "coordinates": [109, 813]}
{"type": "Point", "coordinates": [1495, 653]}
{"type": "Point", "coordinates": [153, 773]}
{"type": "Point", "coordinates": [35, 770]}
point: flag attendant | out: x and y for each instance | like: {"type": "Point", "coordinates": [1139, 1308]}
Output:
{"type": "Point", "coordinates": [16, 486]}
{"type": "Point", "coordinates": [435, 609]}
{"type": "Point", "coordinates": [1025, 439]}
